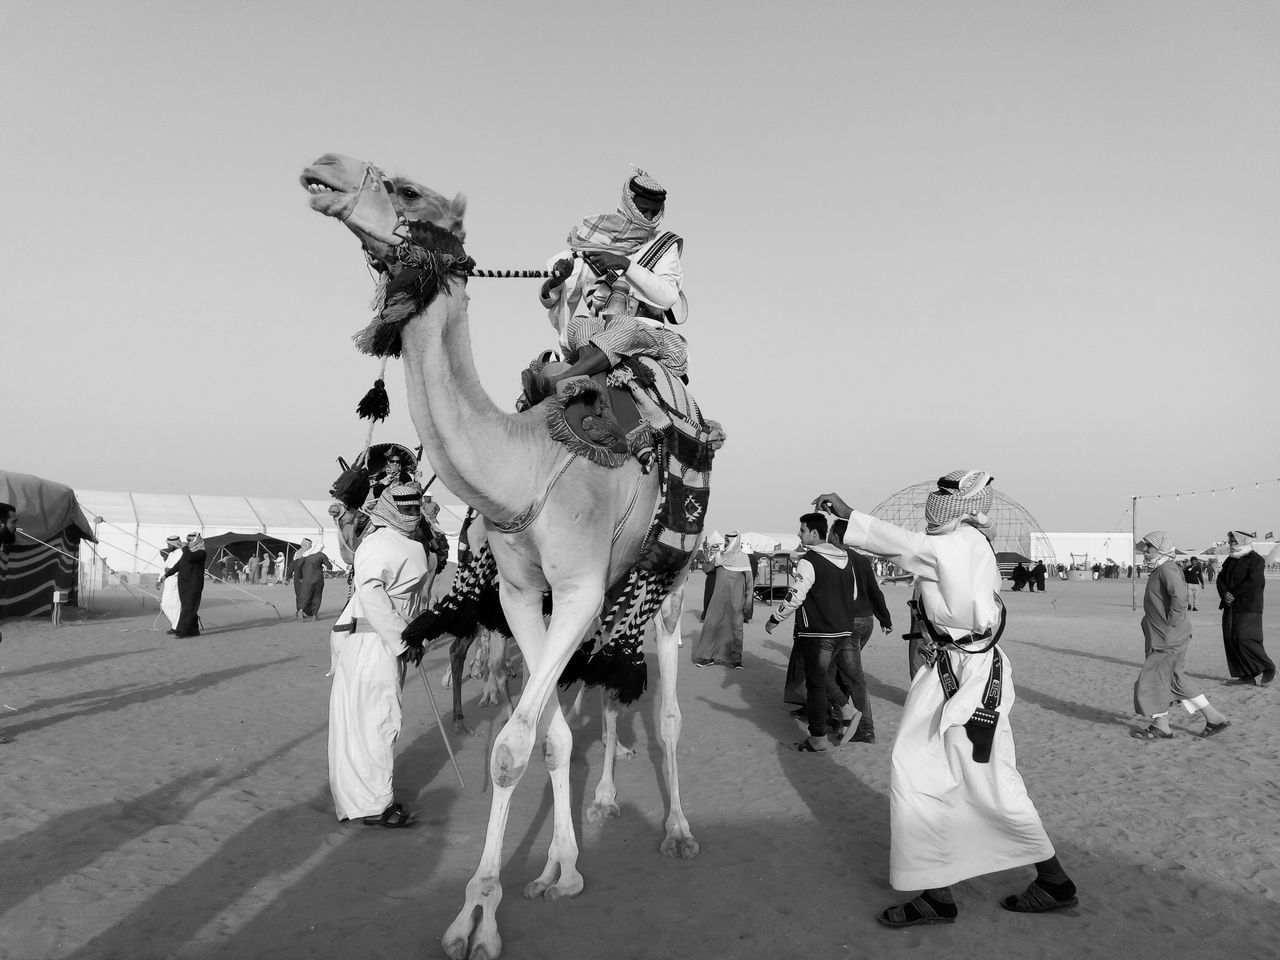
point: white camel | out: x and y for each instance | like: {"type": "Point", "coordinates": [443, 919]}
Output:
{"type": "Point", "coordinates": [587, 533]}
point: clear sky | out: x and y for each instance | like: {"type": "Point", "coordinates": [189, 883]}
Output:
{"type": "Point", "coordinates": [1037, 237]}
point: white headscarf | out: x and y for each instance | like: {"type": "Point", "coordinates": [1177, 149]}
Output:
{"type": "Point", "coordinates": [733, 557]}
{"type": "Point", "coordinates": [1243, 542]}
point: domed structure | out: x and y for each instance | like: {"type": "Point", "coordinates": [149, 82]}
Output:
{"type": "Point", "coordinates": [1016, 530]}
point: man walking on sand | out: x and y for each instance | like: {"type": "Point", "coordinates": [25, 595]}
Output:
{"type": "Point", "coordinates": [957, 807]}
{"type": "Point", "coordinates": [822, 598]}
{"type": "Point", "coordinates": [1166, 634]}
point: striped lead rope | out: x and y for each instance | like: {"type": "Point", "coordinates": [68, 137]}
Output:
{"type": "Point", "coordinates": [507, 274]}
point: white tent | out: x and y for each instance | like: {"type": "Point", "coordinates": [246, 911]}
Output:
{"type": "Point", "coordinates": [754, 542]}
{"type": "Point", "coordinates": [132, 527]}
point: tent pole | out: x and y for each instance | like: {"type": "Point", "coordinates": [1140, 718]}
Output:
{"type": "Point", "coordinates": [1133, 529]}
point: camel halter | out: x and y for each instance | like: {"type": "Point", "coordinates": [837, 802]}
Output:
{"type": "Point", "coordinates": [379, 184]}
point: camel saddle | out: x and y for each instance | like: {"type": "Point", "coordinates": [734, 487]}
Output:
{"type": "Point", "coordinates": [594, 417]}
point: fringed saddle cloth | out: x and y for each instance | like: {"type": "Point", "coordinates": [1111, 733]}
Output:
{"type": "Point", "coordinates": [597, 417]}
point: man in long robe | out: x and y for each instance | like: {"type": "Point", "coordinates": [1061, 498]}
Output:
{"type": "Point", "coordinates": [365, 714]}
{"type": "Point", "coordinates": [1166, 635]}
{"type": "Point", "coordinates": [309, 565]}
{"type": "Point", "coordinates": [189, 572]}
{"type": "Point", "coordinates": [958, 807]}
{"type": "Point", "coordinates": [732, 601]}
{"type": "Point", "coordinates": [1240, 584]}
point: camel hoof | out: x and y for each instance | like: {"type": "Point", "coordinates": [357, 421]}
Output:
{"type": "Point", "coordinates": [625, 753]}
{"type": "Point", "coordinates": [680, 848]}
{"type": "Point", "coordinates": [460, 729]}
{"type": "Point", "coordinates": [488, 698]}
{"type": "Point", "coordinates": [456, 948]}
{"type": "Point", "coordinates": [603, 810]}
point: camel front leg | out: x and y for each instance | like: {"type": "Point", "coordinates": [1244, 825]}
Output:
{"type": "Point", "coordinates": [679, 841]}
{"type": "Point", "coordinates": [560, 877]}
{"type": "Point", "coordinates": [474, 931]}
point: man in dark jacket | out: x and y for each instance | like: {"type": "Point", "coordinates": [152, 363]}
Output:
{"type": "Point", "coordinates": [1240, 584]}
{"type": "Point", "coordinates": [1193, 573]}
{"type": "Point", "coordinates": [868, 607]}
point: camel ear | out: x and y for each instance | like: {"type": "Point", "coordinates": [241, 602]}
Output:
{"type": "Point", "coordinates": [454, 212]}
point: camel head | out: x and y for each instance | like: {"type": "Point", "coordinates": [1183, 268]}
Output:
{"type": "Point", "coordinates": [375, 207]}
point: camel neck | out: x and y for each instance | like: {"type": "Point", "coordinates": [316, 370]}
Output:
{"type": "Point", "coordinates": [470, 443]}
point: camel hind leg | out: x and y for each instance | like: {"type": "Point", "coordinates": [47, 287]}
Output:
{"type": "Point", "coordinates": [679, 841]}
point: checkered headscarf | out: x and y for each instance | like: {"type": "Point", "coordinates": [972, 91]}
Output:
{"type": "Point", "coordinates": [1162, 540]}
{"type": "Point", "coordinates": [623, 232]}
{"type": "Point", "coordinates": [399, 507]}
{"type": "Point", "coordinates": [963, 496]}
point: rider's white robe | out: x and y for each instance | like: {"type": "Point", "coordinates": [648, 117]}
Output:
{"type": "Point", "coordinates": [950, 817]}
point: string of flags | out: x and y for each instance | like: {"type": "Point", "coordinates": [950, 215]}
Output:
{"type": "Point", "coordinates": [1256, 484]}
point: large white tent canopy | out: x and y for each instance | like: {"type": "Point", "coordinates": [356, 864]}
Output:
{"type": "Point", "coordinates": [132, 527]}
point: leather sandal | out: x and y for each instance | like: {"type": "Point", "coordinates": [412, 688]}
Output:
{"type": "Point", "coordinates": [394, 817]}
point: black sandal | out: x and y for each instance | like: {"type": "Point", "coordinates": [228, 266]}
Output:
{"type": "Point", "coordinates": [922, 910]}
{"type": "Point", "coordinates": [393, 817]}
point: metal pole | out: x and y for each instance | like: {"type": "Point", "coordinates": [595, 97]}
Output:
{"type": "Point", "coordinates": [1133, 527]}
{"type": "Point", "coordinates": [440, 723]}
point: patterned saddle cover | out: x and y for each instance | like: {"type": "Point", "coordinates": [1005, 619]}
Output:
{"type": "Point", "coordinates": [597, 417]}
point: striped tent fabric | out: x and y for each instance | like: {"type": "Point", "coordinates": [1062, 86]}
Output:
{"type": "Point", "coordinates": [30, 572]}
{"type": "Point", "coordinates": [47, 514]}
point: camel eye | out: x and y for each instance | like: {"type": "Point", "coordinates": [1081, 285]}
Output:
{"type": "Point", "coordinates": [409, 193]}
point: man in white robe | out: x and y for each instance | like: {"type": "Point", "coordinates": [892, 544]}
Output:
{"type": "Point", "coordinates": [391, 574]}
{"type": "Point", "coordinates": [952, 815]}
{"type": "Point", "coordinates": [170, 604]}
{"type": "Point", "coordinates": [613, 292]}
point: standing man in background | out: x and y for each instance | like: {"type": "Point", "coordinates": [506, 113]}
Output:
{"type": "Point", "coordinates": [1240, 585]}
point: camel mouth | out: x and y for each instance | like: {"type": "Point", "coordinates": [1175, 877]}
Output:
{"type": "Point", "coordinates": [328, 194]}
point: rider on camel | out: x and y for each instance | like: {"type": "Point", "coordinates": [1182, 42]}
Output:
{"type": "Point", "coordinates": [612, 291]}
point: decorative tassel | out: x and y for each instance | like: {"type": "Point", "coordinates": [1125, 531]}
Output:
{"type": "Point", "coordinates": [375, 405]}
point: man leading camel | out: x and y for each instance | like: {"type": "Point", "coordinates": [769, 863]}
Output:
{"type": "Point", "coordinates": [612, 291]}
{"type": "Point", "coordinates": [365, 714]}
{"type": "Point", "coordinates": [958, 807]}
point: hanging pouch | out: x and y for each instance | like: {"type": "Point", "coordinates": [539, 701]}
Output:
{"type": "Point", "coordinates": [981, 729]}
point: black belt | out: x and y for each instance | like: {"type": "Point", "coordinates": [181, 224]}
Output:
{"type": "Point", "coordinates": [943, 639]}
{"type": "Point", "coordinates": [347, 627]}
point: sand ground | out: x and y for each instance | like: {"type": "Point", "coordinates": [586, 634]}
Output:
{"type": "Point", "coordinates": [168, 799]}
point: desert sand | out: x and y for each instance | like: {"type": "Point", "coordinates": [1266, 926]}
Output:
{"type": "Point", "coordinates": [168, 799]}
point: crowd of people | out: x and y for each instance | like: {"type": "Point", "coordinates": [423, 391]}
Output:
{"type": "Point", "coordinates": [958, 805]}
